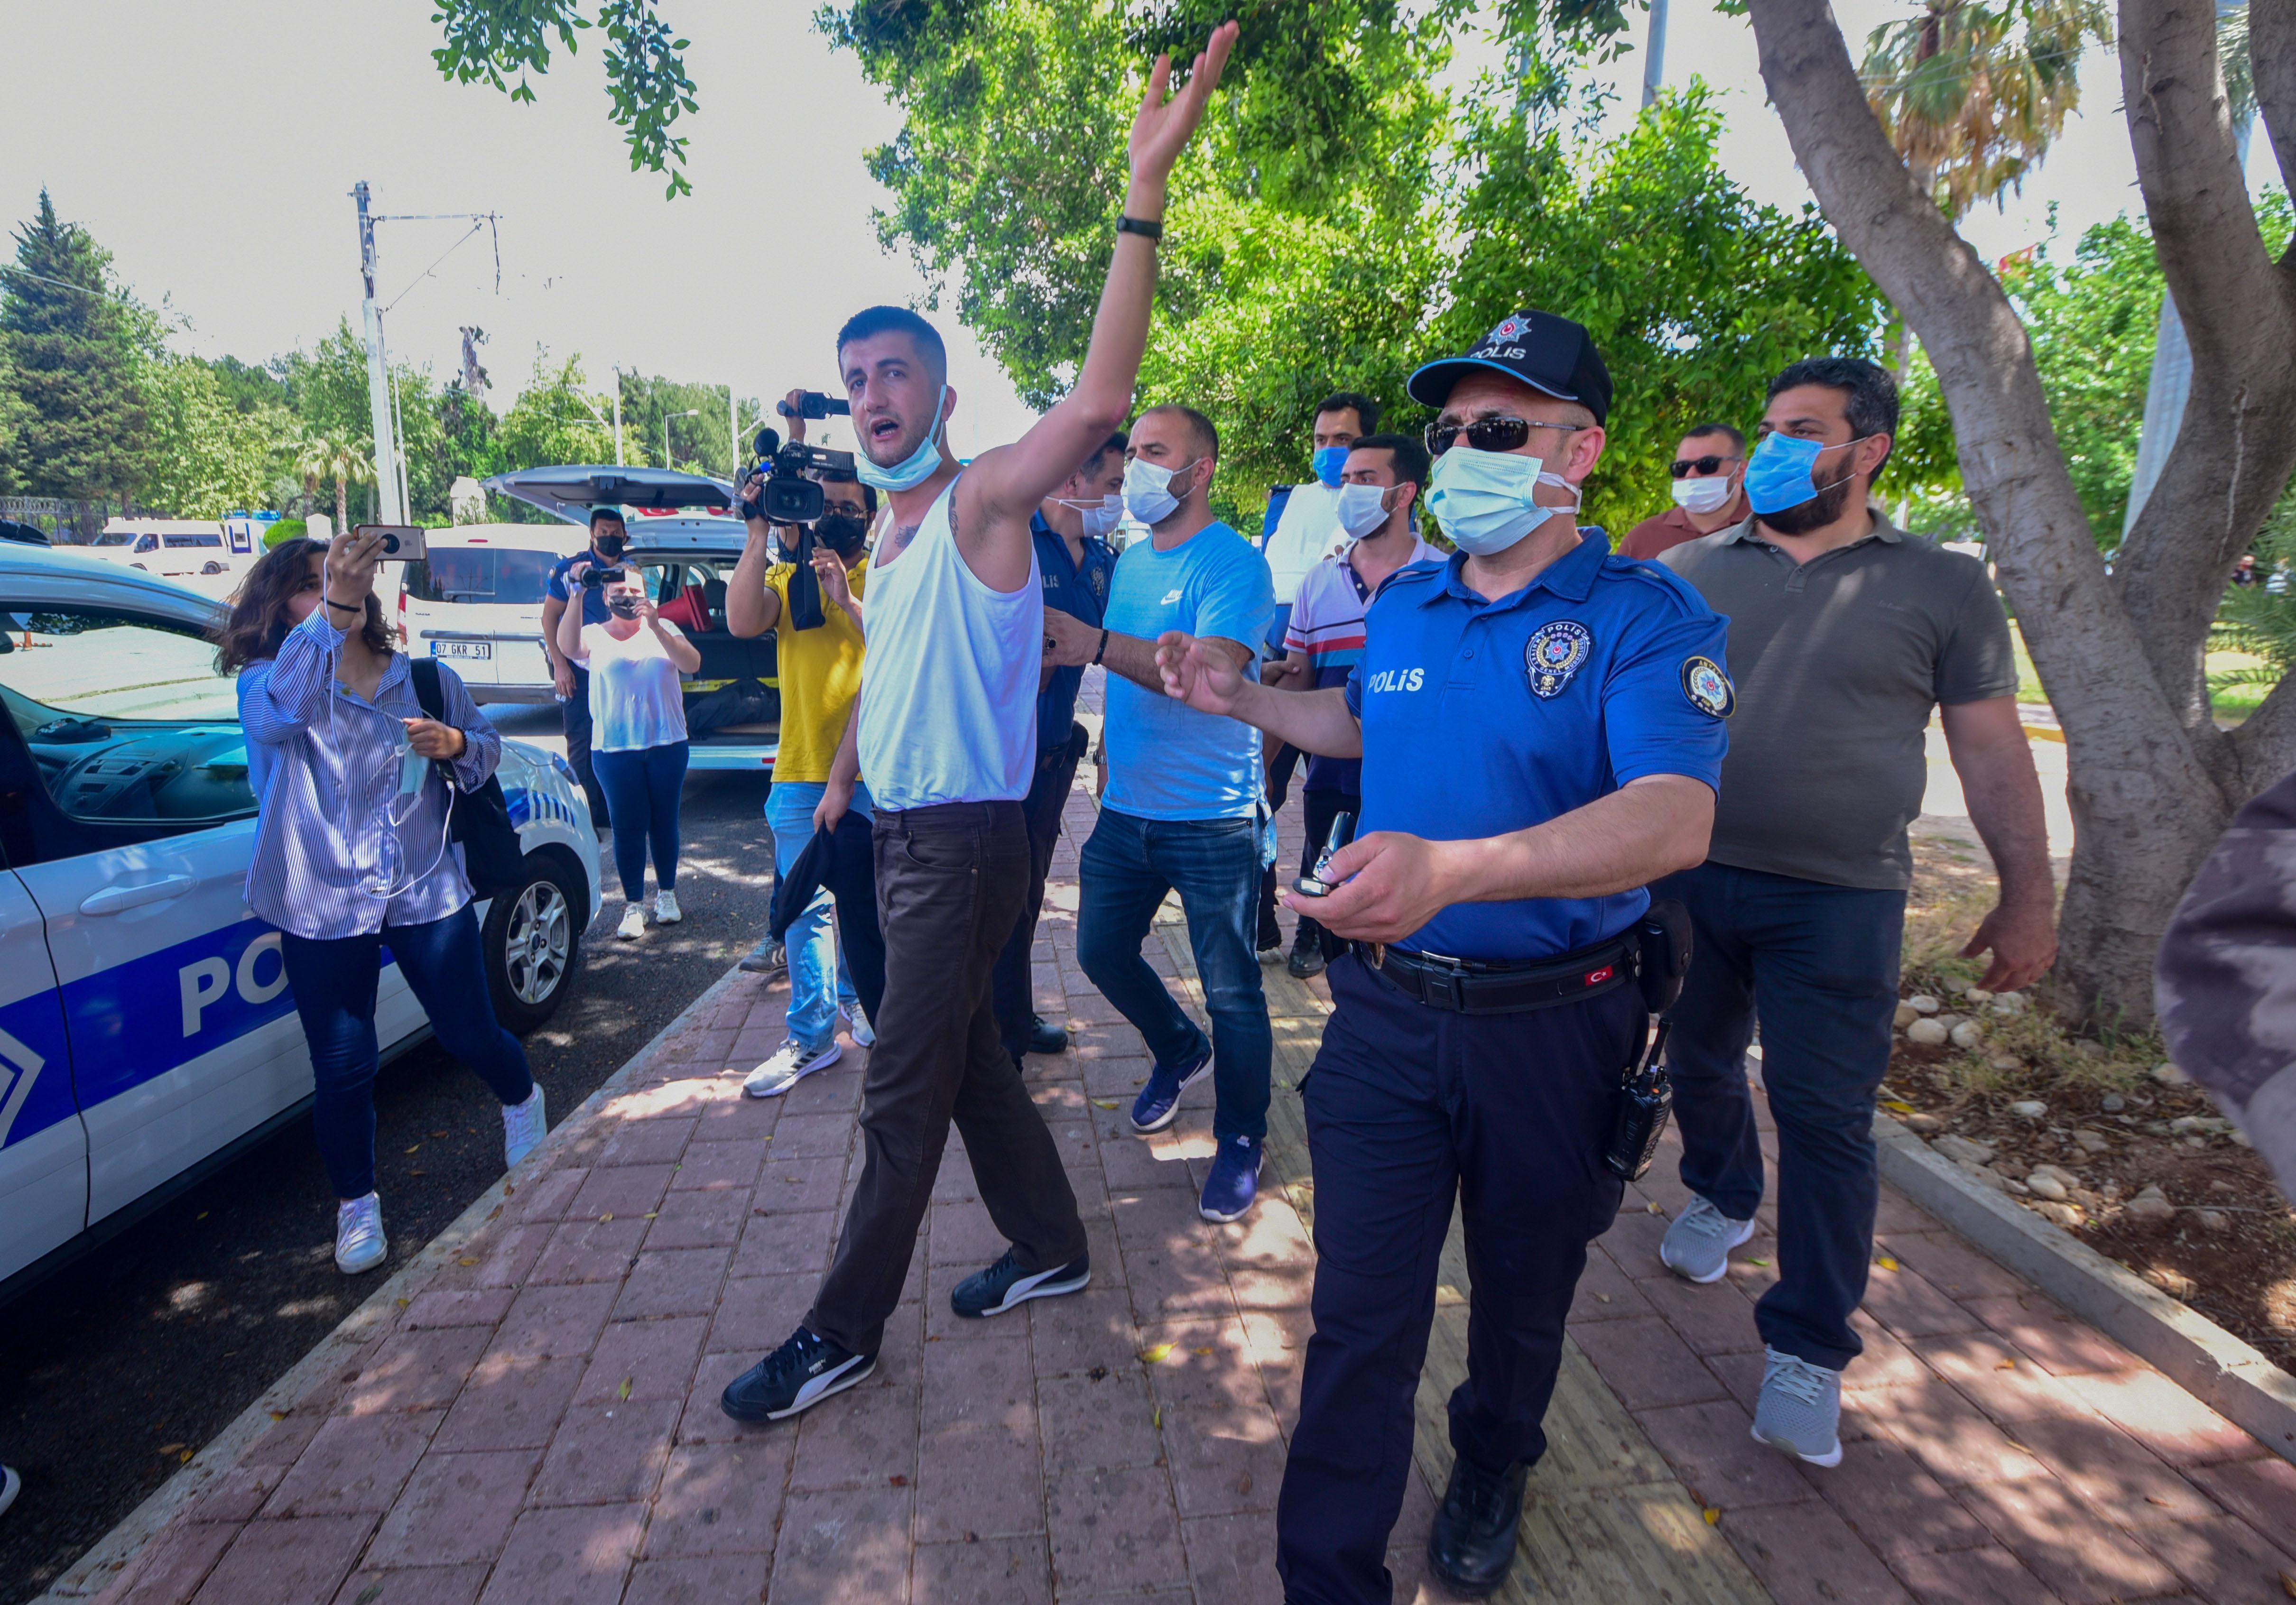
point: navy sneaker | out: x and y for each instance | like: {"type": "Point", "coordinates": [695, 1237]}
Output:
{"type": "Point", "coordinates": [1005, 1286]}
{"type": "Point", "coordinates": [797, 1376]}
{"type": "Point", "coordinates": [1159, 1103]}
{"type": "Point", "coordinates": [1234, 1182]}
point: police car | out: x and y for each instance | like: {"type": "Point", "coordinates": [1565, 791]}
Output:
{"type": "Point", "coordinates": [146, 1032]}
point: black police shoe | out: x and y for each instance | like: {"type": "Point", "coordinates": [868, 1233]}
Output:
{"type": "Point", "coordinates": [1307, 952]}
{"type": "Point", "coordinates": [1046, 1037]}
{"type": "Point", "coordinates": [1473, 1542]}
{"type": "Point", "coordinates": [1005, 1286]}
{"type": "Point", "coordinates": [797, 1376]}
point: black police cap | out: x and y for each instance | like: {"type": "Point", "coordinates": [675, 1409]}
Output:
{"type": "Point", "coordinates": [1548, 353]}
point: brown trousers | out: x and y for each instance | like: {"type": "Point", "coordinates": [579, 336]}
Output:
{"type": "Point", "coordinates": [951, 880]}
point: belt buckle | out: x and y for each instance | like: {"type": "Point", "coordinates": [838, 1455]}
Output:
{"type": "Point", "coordinates": [1454, 977]}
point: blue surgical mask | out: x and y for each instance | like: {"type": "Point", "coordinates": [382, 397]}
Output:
{"type": "Point", "coordinates": [1781, 472]}
{"type": "Point", "coordinates": [1361, 509]}
{"type": "Point", "coordinates": [1483, 499]}
{"type": "Point", "coordinates": [1329, 461]}
{"type": "Point", "coordinates": [914, 470]}
{"type": "Point", "coordinates": [1147, 490]}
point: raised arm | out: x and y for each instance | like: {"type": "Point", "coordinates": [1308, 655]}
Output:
{"type": "Point", "coordinates": [751, 609]}
{"type": "Point", "coordinates": [1003, 486]}
{"type": "Point", "coordinates": [570, 622]}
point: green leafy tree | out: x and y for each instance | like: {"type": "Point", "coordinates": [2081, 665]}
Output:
{"type": "Point", "coordinates": [73, 344]}
{"type": "Point", "coordinates": [207, 456]}
{"type": "Point", "coordinates": [556, 419]}
{"type": "Point", "coordinates": [700, 438]}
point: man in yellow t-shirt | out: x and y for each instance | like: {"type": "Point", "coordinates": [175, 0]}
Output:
{"type": "Point", "coordinates": [819, 666]}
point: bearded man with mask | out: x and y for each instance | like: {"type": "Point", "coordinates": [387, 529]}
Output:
{"type": "Point", "coordinates": [1071, 527]}
{"type": "Point", "coordinates": [817, 652]}
{"type": "Point", "coordinates": [608, 537]}
{"type": "Point", "coordinates": [1183, 810]}
{"type": "Point", "coordinates": [1540, 724]}
{"type": "Point", "coordinates": [1846, 635]}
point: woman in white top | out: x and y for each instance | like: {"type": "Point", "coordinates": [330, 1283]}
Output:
{"type": "Point", "coordinates": [637, 742]}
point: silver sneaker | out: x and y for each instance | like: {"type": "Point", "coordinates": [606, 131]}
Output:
{"type": "Point", "coordinates": [791, 1063]}
{"type": "Point", "coordinates": [1801, 1409]}
{"type": "Point", "coordinates": [524, 1125]}
{"type": "Point", "coordinates": [769, 957]}
{"type": "Point", "coordinates": [1697, 1246]}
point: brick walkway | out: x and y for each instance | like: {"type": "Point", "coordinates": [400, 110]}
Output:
{"type": "Point", "coordinates": [539, 1423]}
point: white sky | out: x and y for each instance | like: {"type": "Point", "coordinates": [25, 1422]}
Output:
{"type": "Point", "coordinates": [214, 152]}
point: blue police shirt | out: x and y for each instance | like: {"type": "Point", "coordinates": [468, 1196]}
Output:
{"type": "Point", "coordinates": [1484, 717]}
{"type": "Point", "coordinates": [1081, 590]}
{"type": "Point", "coordinates": [594, 597]}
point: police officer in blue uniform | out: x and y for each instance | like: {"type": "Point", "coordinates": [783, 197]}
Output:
{"type": "Point", "coordinates": [1541, 730]}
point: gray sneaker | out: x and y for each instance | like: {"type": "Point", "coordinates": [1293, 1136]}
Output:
{"type": "Point", "coordinates": [1801, 1409]}
{"type": "Point", "coordinates": [769, 957]}
{"type": "Point", "coordinates": [1697, 1246]}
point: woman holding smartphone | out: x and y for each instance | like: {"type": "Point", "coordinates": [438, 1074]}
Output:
{"type": "Point", "coordinates": [351, 850]}
{"type": "Point", "coordinates": [637, 740]}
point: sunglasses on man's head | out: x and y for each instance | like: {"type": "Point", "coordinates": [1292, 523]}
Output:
{"type": "Point", "coordinates": [1683, 467]}
{"type": "Point", "coordinates": [1489, 434]}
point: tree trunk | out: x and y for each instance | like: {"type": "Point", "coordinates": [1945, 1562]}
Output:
{"type": "Point", "coordinates": [2152, 782]}
{"type": "Point", "coordinates": [342, 506]}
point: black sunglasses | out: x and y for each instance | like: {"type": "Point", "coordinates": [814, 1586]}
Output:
{"type": "Point", "coordinates": [1489, 434]}
{"type": "Point", "coordinates": [1682, 467]}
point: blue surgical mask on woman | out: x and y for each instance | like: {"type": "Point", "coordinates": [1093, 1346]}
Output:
{"type": "Point", "coordinates": [912, 469]}
{"type": "Point", "coordinates": [1328, 463]}
{"type": "Point", "coordinates": [1483, 500]}
{"type": "Point", "coordinates": [1782, 473]}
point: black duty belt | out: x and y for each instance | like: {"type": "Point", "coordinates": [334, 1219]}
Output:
{"type": "Point", "coordinates": [1468, 988]}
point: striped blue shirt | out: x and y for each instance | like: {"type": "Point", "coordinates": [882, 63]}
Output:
{"type": "Point", "coordinates": [324, 762]}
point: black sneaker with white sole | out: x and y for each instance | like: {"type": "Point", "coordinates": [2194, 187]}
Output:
{"type": "Point", "coordinates": [797, 1376]}
{"type": "Point", "coordinates": [1005, 1286]}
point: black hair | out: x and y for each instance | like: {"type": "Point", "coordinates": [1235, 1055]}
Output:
{"type": "Point", "coordinates": [1206, 431]}
{"type": "Point", "coordinates": [838, 476]}
{"type": "Point", "coordinates": [1737, 437]}
{"type": "Point", "coordinates": [1116, 443]}
{"type": "Point", "coordinates": [1871, 395]}
{"type": "Point", "coordinates": [600, 514]}
{"type": "Point", "coordinates": [887, 320]}
{"type": "Point", "coordinates": [1410, 461]}
{"type": "Point", "coordinates": [1366, 409]}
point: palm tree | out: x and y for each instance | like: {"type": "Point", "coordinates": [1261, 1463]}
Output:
{"type": "Point", "coordinates": [341, 460]}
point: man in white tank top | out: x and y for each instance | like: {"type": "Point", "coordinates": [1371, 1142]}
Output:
{"type": "Point", "coordinates": [945, 733]}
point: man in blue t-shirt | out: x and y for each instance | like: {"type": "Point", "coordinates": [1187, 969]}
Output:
{"type": "Point", "coordinates": [1071, 530]}
{"type": "Point", "coordinates": [607, 537]}
{"type": "Point", "coordinates": [1183, 810]}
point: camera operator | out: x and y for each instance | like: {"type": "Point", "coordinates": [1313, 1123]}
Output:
{"type": "Point", "coordinates": [608, 537]}
{"type": "Point", "coordinates": [817, 653]}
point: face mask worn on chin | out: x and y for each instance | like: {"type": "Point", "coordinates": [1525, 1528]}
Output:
{"type": "Point", "coordinates": [912, 469]}
{"type": "Point", "coordinates": [1329, 461]}
{"type": "Point", "coordinates": [1362, 509]}
{"type": "Point", "coordinates": [1702, 496]}
{"type": "Point", "coordinates": [1147, 490]}
{"type": "Point", "coordinates": [1782, 473]}
{"type": "Point", "coordinates": [1483, 499]}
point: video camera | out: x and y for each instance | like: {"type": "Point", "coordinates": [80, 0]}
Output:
{"type": "Point", "coordinates": [778, 489]}
{"type": "Point", "coordinates": [813, 403]}
{"type": "Point", "coordinates": [594, 579]}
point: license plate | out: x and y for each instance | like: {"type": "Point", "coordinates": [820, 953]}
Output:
{"type": "Point", "coordinates": [461, 649]}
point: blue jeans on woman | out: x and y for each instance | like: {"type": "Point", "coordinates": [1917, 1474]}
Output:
{"type": "Point", "coordinates": [819, 983]}
{"type": "Point", "coordinates": [641, 790]}
{"type": "Point", "coordinates": [334, 983]}
{"type": "Point", "coordinates": [1127, 866]}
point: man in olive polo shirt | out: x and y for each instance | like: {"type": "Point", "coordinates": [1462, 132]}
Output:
{"type": "Point", "coordinates": [1844, 634]}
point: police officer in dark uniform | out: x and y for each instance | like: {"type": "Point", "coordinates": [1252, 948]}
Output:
{"type": "Point", "coordinates": [1541, 729]}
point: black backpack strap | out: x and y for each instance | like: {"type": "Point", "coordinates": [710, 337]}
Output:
{"type": "Point", "coordinates": [425, 672]}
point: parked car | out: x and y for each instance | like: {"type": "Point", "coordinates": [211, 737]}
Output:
{"type": "Point", "coordinates": [173, 546]}
{"type": "Point", "coordinates": [684, 538]}
{"type": "Point", "coordinates": [146, 1031]}
{"type": "Point", "coordinates": [476, 602]}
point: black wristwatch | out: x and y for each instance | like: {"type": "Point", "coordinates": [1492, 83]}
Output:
{"type": "Point", "coordinates": [1102, 647]}
{"type": "Point", "coordinates": [1147, 228]}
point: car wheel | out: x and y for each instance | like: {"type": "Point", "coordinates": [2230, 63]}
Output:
{"type": "Point", "coordinates": [210, 567]}
{"type": "Point", "coordinates": [533, 938]}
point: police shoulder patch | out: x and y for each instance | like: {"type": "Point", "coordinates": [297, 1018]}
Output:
{"type": "Point", "coordinates": [1557, 650]}
{"type": "Point", "coordinates": [1709, 689]}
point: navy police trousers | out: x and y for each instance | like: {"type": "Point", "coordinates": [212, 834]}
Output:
{"type": "Point", "coordinates": [1410, 1108]}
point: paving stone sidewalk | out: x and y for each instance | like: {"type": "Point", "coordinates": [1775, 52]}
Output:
{"type": "Point", "coordinates": [539, 1423]}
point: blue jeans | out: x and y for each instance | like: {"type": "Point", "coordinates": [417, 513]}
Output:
{"type": "Point", "coordinates": [818, 983]}
{"type": "Point", "coordinates": [642, 789]}
{"type": "Point", "coordinates": [1127, 866]}
{"type": "Point", "coordinates": [335, 986]}
{"type": "Point", "coordinates": [1818, 966]}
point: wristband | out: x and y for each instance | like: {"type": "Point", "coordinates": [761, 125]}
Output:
{"type": "Point", "coordinates": [1102, 647]}
{"type": "Point", "coordinates": [348, 607]}
{"type": "Point", "coordinates": [1147, 228]}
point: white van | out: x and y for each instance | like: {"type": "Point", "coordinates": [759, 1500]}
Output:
{"type": "Point", "coordinates": [175, 547]}
{"type": "Point", "coordinates": [476, 602]}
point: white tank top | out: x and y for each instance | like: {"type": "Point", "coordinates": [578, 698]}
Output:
{"type": "Point", "coordinates": [948, 689]}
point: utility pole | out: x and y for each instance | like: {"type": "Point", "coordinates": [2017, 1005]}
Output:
{"type": "Point", "coordinates": [1654, 58]}
{"type": "Point", "coordinates": [389, 508]}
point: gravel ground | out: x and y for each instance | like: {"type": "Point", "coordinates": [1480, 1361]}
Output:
{"type": "Point", "coordinates": [120, 1368]}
